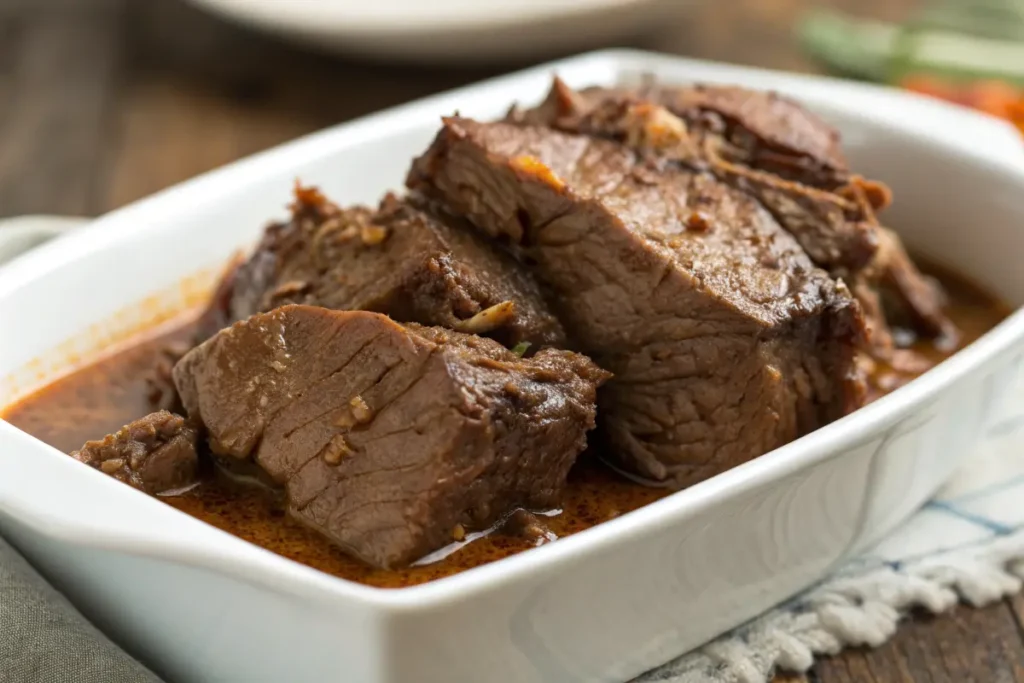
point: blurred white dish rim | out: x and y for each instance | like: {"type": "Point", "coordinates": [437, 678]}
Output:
{"type": "Point", "coordinates": [411, 15]}
{"type": "Point", "coordinates": [447, 29]}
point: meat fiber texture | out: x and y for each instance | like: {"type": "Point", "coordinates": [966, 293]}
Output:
{"type": "Point", "coordinates": [791, 162]}
{"type": "Point", "coordinates": [404, 259]}
{"type": "Point", "coordinates": [390, 440]}
{"type": "Point", "coordinates": [725, 339]}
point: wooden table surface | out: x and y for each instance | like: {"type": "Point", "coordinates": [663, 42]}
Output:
{"type": "Point", "coordinates": [106, 101]}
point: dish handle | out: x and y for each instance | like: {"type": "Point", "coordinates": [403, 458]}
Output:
{"type": "Point", "coordinates": [23, 233]}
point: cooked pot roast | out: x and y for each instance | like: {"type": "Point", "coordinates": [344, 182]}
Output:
{"type": "Point", "coordinates": [398, 380]}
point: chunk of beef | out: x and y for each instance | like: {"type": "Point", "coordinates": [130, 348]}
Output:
{"type": "Point", "coordinates": [389, 439]}
{"type": "Point", "coordinates": [404, 259]}
{"type": "Point", "coordinates": [786, 158]}
{"type": "Point", "coordinates": [724, 339]}
{"type": "Point", "coordinates": [672, 123]}
{"type": "Point", "coordinates": [766, 130]}
{"type": "Point", "coordinates": [156, 454]}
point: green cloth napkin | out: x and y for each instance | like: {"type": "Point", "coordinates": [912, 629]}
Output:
{"type": "Point", "coordinates": [44, 639]}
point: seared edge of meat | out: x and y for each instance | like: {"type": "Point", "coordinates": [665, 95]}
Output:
{"type": "Point", "coordinates": [405, 259]}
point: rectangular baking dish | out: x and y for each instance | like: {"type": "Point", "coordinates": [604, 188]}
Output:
{"type": "Point", "coordinates": [605, 605]}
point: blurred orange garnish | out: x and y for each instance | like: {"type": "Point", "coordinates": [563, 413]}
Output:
{"type": "Point", "coordinates": [1016, 114]}
{"type": "Point", "coordinates": [993, 97]}
{"type": "Point", "coordinates": [928, 86]}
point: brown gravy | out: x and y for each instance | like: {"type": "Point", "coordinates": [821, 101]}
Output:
{"type": "Point", "coordinates": [102, 397]}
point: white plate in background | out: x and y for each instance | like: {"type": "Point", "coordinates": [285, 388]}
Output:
{"type": "Point", "coordinates": [464, 31]}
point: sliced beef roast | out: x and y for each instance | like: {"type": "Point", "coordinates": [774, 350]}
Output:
{"type": "Point", "coordinates": [725, 340]}
{"type": "Point", "coordinates": [764, 129]}
{"type": "Point", "coordinates": [403, 259]}
{"type": "Point", "coordinates": [786, 158]}
{"type": "Point", "coordinates": [390, 440]}
{"type": "Point", "coordinates": [156, 453]}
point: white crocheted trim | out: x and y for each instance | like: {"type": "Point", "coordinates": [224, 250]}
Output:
{"type": "Point", "coordinates": [851, 611]}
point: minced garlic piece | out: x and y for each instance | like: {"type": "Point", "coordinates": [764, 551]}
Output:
{"type": "Point", "coordinates": [488, 319]}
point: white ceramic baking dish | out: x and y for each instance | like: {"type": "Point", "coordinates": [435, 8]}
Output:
{"type": "Point", "coordinates": [604, 605]}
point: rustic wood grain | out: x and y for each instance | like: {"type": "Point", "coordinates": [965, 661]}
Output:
{"type": "Point", "coordinates": [201, 93]}
{"type": "Point", "coordinates": [57, 80]}
{"type": "Point", "coordinates": [965, 646]}
{"type": "Point", "coordinates": [106, 101]}
{"type": "Point", "coordinates": [1017, 608]}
